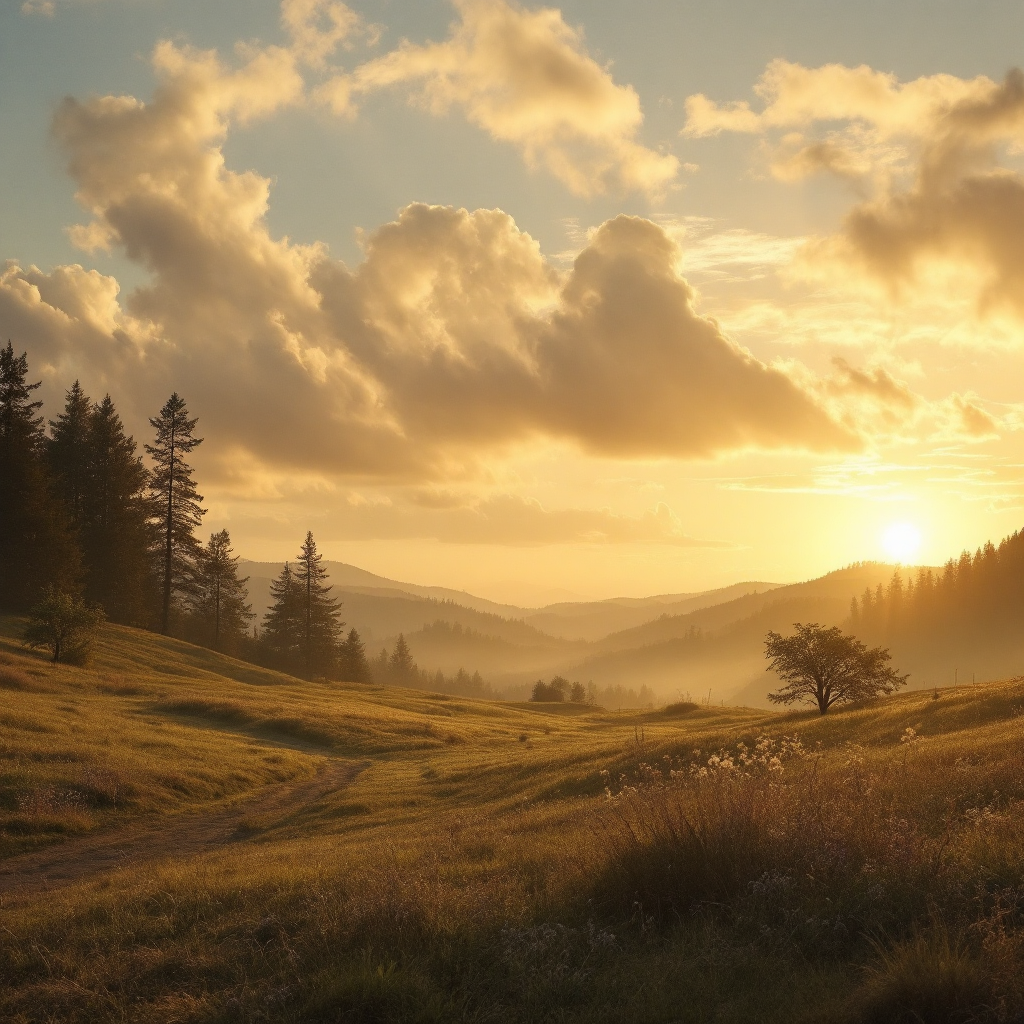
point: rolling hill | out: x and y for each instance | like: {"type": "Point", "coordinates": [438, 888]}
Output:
{"type": "Point", "coordinates": [187, 838]}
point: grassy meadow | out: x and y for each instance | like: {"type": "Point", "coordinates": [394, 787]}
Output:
{"type": "Point", "coordinates": [187, 838]}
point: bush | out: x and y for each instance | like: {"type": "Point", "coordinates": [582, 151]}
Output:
{"type": "Point", "coordinates": [64, 626]}
{"type": "Point", "coordinates": [689, 834]}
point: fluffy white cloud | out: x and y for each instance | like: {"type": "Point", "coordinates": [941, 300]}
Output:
{"type": "Point", "coordinates": [524, 76]}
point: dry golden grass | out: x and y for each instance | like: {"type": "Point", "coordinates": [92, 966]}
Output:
{"type": "Point", "coordinates": [365, 854]}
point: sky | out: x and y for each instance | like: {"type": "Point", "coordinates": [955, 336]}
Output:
{"type": "Point", "coordinates": [602, 299]}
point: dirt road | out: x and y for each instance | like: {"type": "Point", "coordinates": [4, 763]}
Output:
{"type": "Point", "coordinates": [174, 837]}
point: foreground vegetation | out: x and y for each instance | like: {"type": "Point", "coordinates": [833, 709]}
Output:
{"type": "Point", "coordinates": [493, 862]}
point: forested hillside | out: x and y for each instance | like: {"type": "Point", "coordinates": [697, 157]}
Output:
{"type": "Point", "coordinates": [963, 622]}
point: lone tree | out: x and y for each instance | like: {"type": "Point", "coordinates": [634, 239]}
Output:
{"type": "Point", "coordinates": [176, 509]}
{"type": "Point", "coordinates": [826, 666]}
{"type": "Point", "coordinates": [64, 625]}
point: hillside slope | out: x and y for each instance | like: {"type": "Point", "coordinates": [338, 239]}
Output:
{"type": "Point", "coordinates": [721, 649]}
{"type": "Point", "coordinates": [186, 838]}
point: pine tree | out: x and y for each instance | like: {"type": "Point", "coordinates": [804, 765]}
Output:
{"type": "Point", "coordinates": [177, 512]}
{"type": "Point", "coordinates": [67, 453]}
{"type": "Point", "coordinates": [283, 622]}
{"type": "Point", "coordinates": [37, 545]}
{"type": "Point", "coordinates": [352, 663]}
{"type": "Point", "coordinates": [401, 667]}
{"type": "Point", "coordinates": [116, 532]}
{"type": "Point", "coordinates": [219, 600]}
{"type": "Point", "coordinates": [321, 628]}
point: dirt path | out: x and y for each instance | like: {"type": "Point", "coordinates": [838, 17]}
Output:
{"type": "Point", "coordinates": [175, 837]}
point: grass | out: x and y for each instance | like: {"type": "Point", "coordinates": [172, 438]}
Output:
{"type": "Point", "coordinates": [471, 867]}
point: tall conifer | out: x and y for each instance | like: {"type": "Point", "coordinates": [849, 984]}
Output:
{"type": "Point", "coordinates": [352, 664]}
{"type": "Point", "coordinates": [220, 598]}
{"type": "Point", "coordinates": [37, 545]}
{"type": "Point", "coordinates": [176, 502]}
{"type": "Point", "coordinates": [283, 622]}
{"type": "Point", "coordinates": [321, 628]}
{"type": "Point", "coordinates": [67, 453]}
{"type": "Point", "coordinates": [116, 532]}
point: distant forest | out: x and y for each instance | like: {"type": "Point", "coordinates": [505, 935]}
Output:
{"type": "Point", "coordinates": [967, 620]}
{"type": "Point", "coordinates": [82, 515]}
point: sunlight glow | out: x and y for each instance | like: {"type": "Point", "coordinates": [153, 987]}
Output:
{"type": "Point", "coordinates": [901, 541]}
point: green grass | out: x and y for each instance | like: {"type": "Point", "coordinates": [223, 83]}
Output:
{"type": "Point", "coordinates": [473, 868]}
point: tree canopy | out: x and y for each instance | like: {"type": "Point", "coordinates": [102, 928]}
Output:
{"type": "Point", "coordinates": [826, 666]}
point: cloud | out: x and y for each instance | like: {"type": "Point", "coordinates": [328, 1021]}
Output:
{"type": "Point", "coordinates": [942, 212]}
{"type": "Point", "coordinates": [318, 27]}
{"type": "Point", "coordinates": [505, 519]}
{"type": "Point", "coordinates": [969, 420]}
{"type": "Point", "coordinates": [797, 96]}
{"type": "Point", "coordinates": [453, 343]}
{"type": "Point", "coordinates": [879, 405]}
{"type": "Point", "coordinates": [524, 76]}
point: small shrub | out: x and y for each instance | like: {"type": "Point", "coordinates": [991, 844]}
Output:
{"type": "Point", "coordinates": [64, 625]}
{"type": "Point", "coordinates": [928, 977]}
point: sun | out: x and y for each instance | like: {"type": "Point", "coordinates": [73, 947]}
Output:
{"type": "Point", "coordinates": [901, 541]}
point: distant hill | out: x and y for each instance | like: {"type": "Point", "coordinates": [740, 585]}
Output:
{"type": "Point", "coordinates": [351, 577]}
{"type": "Point", "coordinates": [678, 645]}
{"type": "Point", "coordinates": [381, 608]}
{"type": "Point", "coordinates": [592, 620]}
{"type": "Point", "coordinates": [720, 649]}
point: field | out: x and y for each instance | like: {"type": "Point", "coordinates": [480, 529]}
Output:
{"type": "Point", "coordinates": [184, 837]}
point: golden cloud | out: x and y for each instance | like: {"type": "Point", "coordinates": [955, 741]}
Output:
{"type": "Point", "coordinates": [524, 76]}
{"type": "Point", "coordinates": [944, 208]}
{"type": "Point", "coordinates": [454, 341]}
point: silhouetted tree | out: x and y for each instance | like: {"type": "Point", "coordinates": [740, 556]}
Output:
{"type": "Point", "coordinates": [825, 666]}
{"type": "Point", "coordinates": [557, 691]}
{"type": "Point", "coordinates": [401, 667]}
{"type": "Point", "coordinates": [321, 626]}
{"type": "Point", "coordinates": [219, 598]}
{"type": "Point", "coordinates": [176, 503]}
{"type": "Point", "coordinates": [116, 532]}
{"type": "Point", "coordinates": [283, 621]}
{"type": "Point", "coordinates": [578, 693]}
{"type": "Point", "coordinates": [37, 544]}
{"type": "Point", "coordinates": [67, 453]}
{"type": "Point", "coordinates": [64, 625]}
{"type": "Point", "coordinates": [352, 664]}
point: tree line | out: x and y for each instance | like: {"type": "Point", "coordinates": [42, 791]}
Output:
{"type": "Point", "coordinates": [84, 524]}
{"type": "Point", "coordinates": [974, 596]}
{"type": "Point", "coordinates": [970, 612]}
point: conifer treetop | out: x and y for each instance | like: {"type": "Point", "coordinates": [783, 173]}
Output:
{"type": "Point", "coordinates": [17, 410]}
